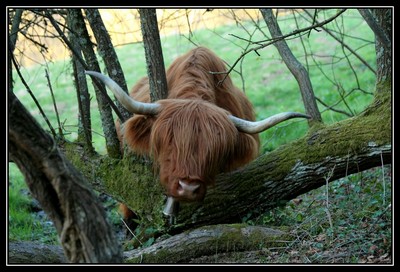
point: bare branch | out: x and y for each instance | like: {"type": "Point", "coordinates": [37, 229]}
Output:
{"type": "Point", "coordinates": [301, 38]}
{"type": "Point", "coordinates": [13, 35]}
{"type": "Point", "coordinates": [54, 105]}
{"type": "Point", "coordinates": [332, 108]}
{"type": "Point", "coordinates": [346, 46]}
{"type": "Point", "coordinates": [53, 132]}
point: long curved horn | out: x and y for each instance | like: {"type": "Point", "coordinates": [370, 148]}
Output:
{"type": "Point", "coordinates": [128, 102]}
{"type": "Point", "coordinates": [259, 126]}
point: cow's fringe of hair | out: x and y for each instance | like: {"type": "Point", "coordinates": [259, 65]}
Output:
{"type": "Point", "coordinates": [205, 136]}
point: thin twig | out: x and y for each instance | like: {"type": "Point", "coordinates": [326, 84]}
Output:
{"type": "Point", "coordinates": [54, 104]}
{"type": "Point", "coordinates": [131, 232]}
{"type": "Point", "coordinates": [346, 46]}
{"type": "Point", "coordinates": [302, 41]}
{"type": "Point", "coordinates": [332, 108]}
{"type": "Point", "coordinates": [342, 94]}
{"type": "Point", "coordinates": [272, 41]}
{"type": "Point", "coordinates": [33, 96]}
{"type": "Point", "coordinates": [383, 182]}
{"type": "Point", "coordinates": [82, 61]}
{"type": "Point", "coordinates": [327, 178]}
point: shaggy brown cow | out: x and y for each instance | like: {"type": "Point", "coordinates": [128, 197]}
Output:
{"type": "Point", "coordinates": [201, 129]}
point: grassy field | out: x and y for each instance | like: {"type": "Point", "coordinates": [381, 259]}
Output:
{"type": "Point", "coordinates": [335, 74]}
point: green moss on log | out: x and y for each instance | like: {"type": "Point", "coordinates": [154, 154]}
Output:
{"type": "Point", "coordinates": [209, 240]}
{"type": "Point", "coordinates": [341, 139]}
{"type": "Point", "coordinates": [130, 180]}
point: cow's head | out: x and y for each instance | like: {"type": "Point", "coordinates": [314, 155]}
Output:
{"type": "Point", "coordinates": [191, 140]}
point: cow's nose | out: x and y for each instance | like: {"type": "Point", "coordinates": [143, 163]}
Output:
{"type": "Point", "coordinates": [189, 191]}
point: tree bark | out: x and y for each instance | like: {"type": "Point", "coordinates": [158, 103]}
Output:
{"type": "Point", "coordinates": [380, 33]}
{"type": "Point", "coordinates": [207, 241]}
{"type": "Point", "coordinates": [383, 55]}
{"type": "Point", "coordinates": [61, 190]}
{"type": "Point", "coordinates": [30, 252]}
{"type": "Point", "coordinates": [82, 91]}
{"type": "Point", "coordinates": [153, 53]}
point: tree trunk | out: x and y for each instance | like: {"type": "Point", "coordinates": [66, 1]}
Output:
{"type": "Point", "coordinates": [82, 91]}
{"type": "Point", "coordinates": [383, 55]}
{"type": "Point", "coordinates": [61, 190]}
{"type": "Point", "coordinates": [381, 34]}
{"type": "Point", "coordinates": [153, 53]}
{"type": "Point", "coordinates": [13, 35]}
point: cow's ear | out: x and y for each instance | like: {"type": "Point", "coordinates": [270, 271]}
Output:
{"type": "Point", "coordinates": [136, 133]}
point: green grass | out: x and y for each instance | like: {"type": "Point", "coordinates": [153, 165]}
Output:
{"type": "Point", "coordinates": [23, 223]}
{"type": "Point", "coordinates": [265, 80]}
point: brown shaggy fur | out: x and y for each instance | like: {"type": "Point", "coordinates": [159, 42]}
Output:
{"type": "Point", "coordinates": [192, 137]}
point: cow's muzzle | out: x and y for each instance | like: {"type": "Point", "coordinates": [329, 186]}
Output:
{"type": "Point", "coordinates": [189, 191]}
